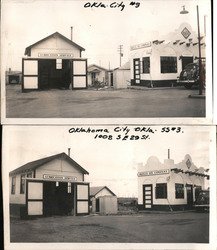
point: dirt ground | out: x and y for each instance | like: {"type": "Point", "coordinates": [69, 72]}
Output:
{"type": "Point", "coordinates": [109, 103]}
{"type": "Point", "coordinates": [176, 227]}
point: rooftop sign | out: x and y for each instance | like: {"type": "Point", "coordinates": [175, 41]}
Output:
{"type": "Point", "coordinates": [140, 46]}
{"type": "Point", "coordinates": [154, 172]}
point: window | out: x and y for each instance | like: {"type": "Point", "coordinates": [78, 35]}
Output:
{"type": "Point", "coordinates": [29, 175]}
{"type": "Point", "coordinates": [197, 191]}
{"type": "Point", "coordinates": [146, 65]}
{"type": "Point", "coordinates": [161, 191]}
{"type": "Point", "coordinates": [13, 185]}
{"type": "Point", "coordinates": [58, 63]}
{"type": "Point", "coordinates": [168, 64]}
{"type": "Point", "coordinates": [22, 184]}
{"type": "Point", "coordinates": [179, 191]}
{"type": "Point", "coordinates": [69, 189]}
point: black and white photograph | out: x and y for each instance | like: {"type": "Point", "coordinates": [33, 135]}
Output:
{"type": "Point", "coordinates": [132, 186]}
{"type": "Point", "coordinates": [107, 59]}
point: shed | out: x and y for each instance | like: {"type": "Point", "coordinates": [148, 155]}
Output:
{"type": "Point", "coordinates": [121, 76]}
{"type": "Point", "coordinates": [103, 200]}
{"type": "Point", "coordinates": [49, 186]}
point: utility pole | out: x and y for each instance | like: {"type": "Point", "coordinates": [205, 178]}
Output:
{"type": "Point", "coordinates": [120, 50]}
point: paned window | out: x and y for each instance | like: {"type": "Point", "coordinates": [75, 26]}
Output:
{"type": "Point", "coordinates": [13, 185]}
{"type": "Point", "coordinates": [168, 64]}
{"type": "Point", "coordinates": [69, 189]}
{"type": "Point", "coordinates": [58, 63]}
{"type": "Point", "coordinates": [179, 189]}
{"type": "Point", "coordinates": [22, 184]}
{"type": "Point", "coordinates": [146, 65]}
{"type": "Point", "coordinates": [161, 191]}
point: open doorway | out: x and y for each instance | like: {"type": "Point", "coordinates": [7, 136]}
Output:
{"type": "Point", "coordinates": [54, 73]}
{"type": "Point", "coordinates": [58, 198]}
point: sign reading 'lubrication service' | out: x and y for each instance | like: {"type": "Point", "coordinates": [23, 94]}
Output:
{"type": "Point", "coordinates": [140, 46]}
{"type": "Point", "coordinates": [59, 177]}
{"type": "Point", "coordinates": [59, 55]}
{"type": "Point", "coordinates": [154, 172]}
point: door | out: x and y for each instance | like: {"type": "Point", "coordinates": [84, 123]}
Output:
{"type": "Point", "coordinates": [147, 196]}
{"type": "Point", "coordinates": [82, 199]}
{"type": "Point", "coordinates": [136, 70]}
{"type": "Point", "coordinates": [79, 74]}
{"type": "Point", "coordinates": [34, 197]}
{"type": "Point", "coordinates": [189, 195]}
{"type": "Point", "coordinates": [30, 74]}
{"type": "Point", "coordinates": [97, 205]}
{"type": "Point", "coordinates": [186, 60]}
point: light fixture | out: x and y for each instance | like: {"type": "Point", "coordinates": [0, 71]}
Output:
{"type": "Point", "coordinates": [184, 11]}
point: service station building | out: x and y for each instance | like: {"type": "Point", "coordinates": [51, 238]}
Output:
{"type": "Point", "coordinates": [169, 186]}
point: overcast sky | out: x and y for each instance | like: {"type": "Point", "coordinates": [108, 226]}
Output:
{"type": "Point", "coordinates": [99, 30]}
{"type": "Point", "coordinates": [109, 162]}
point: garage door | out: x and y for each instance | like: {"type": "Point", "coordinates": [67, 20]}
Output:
{"type": "Point", "coordinates": [82, 199]}
{"type": "Point", "coordinates": [30, 74]}
{"type": "Point", "coordinates": [79, 74]}
{"type": "Point", "coordinates": [34, 198]}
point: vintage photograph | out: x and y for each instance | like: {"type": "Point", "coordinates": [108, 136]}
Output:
{"type": "Point", "coordinates": [109, 184]}
{"type": "Point", "coordinates": [105, 59]}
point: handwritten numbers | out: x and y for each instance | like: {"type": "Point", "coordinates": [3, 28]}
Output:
{"type": "Point", "coordinates": [136, 4]}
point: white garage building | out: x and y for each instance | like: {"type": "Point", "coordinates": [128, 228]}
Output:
{"type": "Point", "coordinates": [54, 62]}
{"type": "Point", "coordinates": [53, 185]}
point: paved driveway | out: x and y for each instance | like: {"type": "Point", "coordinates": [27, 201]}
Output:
{"type": "Point", "coordinates": [126, 103]}
{"type": "Point", "coordinates": [177, 227]}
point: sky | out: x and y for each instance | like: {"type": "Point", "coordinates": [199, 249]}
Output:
{"type": "Point", "coordinates": [109, 162]}
{"type": "Point", "coordinates": [99, 30]}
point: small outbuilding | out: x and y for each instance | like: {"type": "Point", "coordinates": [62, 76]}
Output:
{"type": "Point", "coordinates": [97, 75]}
{"type": "Point", "coordinates": [103, 200]}
{"type": "Point", "coordinates": [54, 62]}
{"type": "Point", "coordinates": [121, 76]}
{"type": "Point", "coordinates": [49, 186]}
{"type": "Point", "coordinates": [169, 186]}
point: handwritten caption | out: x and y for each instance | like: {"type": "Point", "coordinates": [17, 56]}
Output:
{"type": "Point", "coordinates": [114, 5]}
{"type": "Point", "coordinates": [124, 133]}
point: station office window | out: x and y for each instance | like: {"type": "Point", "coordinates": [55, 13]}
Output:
{"type": "Point", "coordinates": [161, 191]}
{"type": "Point", "coordinates": [168, 64]}
{"type": "Point", "coordinates": [13, 185]}
{"type": "Point", "coordinates": [146, 65]}
{"type": "Point", "coordinates": [22, 183]}
{"type": "Point", "coordinates": [179, 191]}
